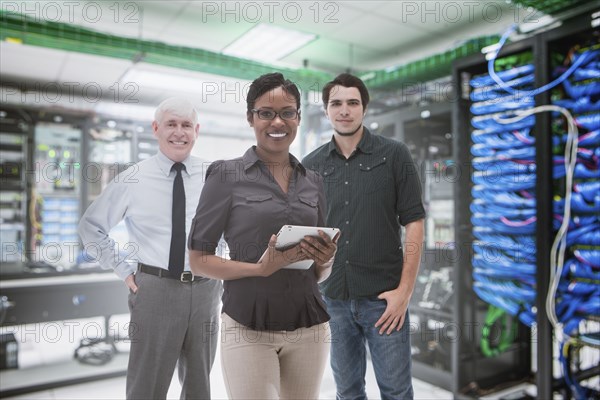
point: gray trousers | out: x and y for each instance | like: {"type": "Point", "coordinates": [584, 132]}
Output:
{"type": "Point", "coordinates": [172, 323]}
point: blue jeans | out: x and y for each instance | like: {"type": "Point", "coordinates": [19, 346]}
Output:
{"type": "Point", "coordinates": [352, 323]}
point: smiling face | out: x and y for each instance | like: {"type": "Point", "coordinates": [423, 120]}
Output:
{"type": "Point", "coordinates": [345, 110]}
{"type": "Point", "coordinates": [176, 135]}
{"type": "Point", "coordinates": [274, 137]}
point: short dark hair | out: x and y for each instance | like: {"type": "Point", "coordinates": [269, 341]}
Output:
{"type": "Point", "coordinates": [346, 80]}
{"type": "Point", "coordinates": [267, 82]}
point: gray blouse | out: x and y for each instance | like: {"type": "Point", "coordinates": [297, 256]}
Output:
{"type": "Point", "coordinates": [242, 201]}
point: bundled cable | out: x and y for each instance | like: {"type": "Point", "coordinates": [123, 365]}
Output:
{"type": "Point", "coordinates": [501, 136]}
{"type": "Point", "coordinates": [565, 354]}
{"type": "Point", "coordinates": [495, 315]}
{"type": "Point", "coordinates": [580, 60]}
{"type": "Point", "coordinates": [504, 207]}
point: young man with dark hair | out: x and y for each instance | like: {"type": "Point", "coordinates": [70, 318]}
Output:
{"type": "Point", "coordinates": [372, 189]}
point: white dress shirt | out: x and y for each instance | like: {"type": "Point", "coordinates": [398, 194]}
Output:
{"type": "Point", "coordinates": [142, 196]}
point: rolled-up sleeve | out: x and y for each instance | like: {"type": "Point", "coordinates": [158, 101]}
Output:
{"type": "Point", "coordinates": [212, 213]}
{"type": "Point", "coordinates": [409, 203]}
{"type": "Point", "coordinates": [97, 221]}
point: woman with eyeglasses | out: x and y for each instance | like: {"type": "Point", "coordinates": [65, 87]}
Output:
{"type": "Point", "coordinates": [274, 333]}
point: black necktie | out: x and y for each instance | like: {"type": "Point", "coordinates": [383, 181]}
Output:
{"type": "Point", "coordinates": [177, 252]}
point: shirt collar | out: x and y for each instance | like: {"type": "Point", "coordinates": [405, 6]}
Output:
{"type": "Point", "coordinates": [250, 158]}
{"type": "Point", "coordinates": [165, 164]}
{"type": "Point", "coordinates": [365, 145]}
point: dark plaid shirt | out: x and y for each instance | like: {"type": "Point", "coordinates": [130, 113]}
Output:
{"type": "Point", "coordinates": [369, 195]}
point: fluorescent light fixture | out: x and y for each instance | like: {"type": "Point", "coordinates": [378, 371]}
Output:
{"type": "Point", "coordinates": [536, 23]}
{"type": "Point", "coordinates": [368, 75]}
{"type": "Point", "coordinates": [150, 79]}
{"type": "Point", "coordinates": [268, 43]}
{"type": "Point", "coordinates": [125, 110]}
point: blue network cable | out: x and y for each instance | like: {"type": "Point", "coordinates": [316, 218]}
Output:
{"type": "Point", "coordinates": [577, 91]}
{"type": "Point", "coordinates": [502, 140]}
{"type": "Point", "coordinates": [580, 60]}
{"type": "Point", "coordinates": [513, 73]}
{"type": "Point", "coordinates": [513, 182]}
{"type": "Point", "coordinates": [506, 103]}
{"type": "Point", "coordinates": [575, 289]}
{"type": "Point", "coordinates": [522, 199]}
{"type": "Point", "coordinates": [515, 153]}
{"type": "Point", "coordinates": [579, 104]}
{"type": "Point", "coordinates": [489, 123]}
{"type": "Point", "coordinates": [495, 91]}
{"type": "Point", "coordinates": [575, 222]}
{"type": "Point", "coordinates": [589, 121]}
{"type": "Point", "coordinates": [504, 208]}
{"type": "Point", "coordinates": [479, 206]}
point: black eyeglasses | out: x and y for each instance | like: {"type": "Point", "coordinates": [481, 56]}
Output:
{"type": "Point", "coordinates": [270, 114]}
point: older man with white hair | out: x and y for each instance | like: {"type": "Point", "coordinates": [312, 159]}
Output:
{"type": "Point", "coordinates": [174, 315]}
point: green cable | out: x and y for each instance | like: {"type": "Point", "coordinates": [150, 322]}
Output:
{"type": "Point", "coordinates": [506, 336]}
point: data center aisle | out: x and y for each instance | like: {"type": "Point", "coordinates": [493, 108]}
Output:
{"type": "Point", "coordinates": [115, 389]}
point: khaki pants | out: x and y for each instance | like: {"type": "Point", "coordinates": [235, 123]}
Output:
{"type": "Point", "coordinates": [273, 364]}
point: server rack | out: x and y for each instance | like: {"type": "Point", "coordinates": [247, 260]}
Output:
{"type": "Point", "coordinates": [446, 326]}
{"type": "Point", "coordinates": [540, 48]}
{"type": "Point", "coordinates": [583, 29]}
{"type": "Point", "coordinates": [53, 165]}
{"type": "Point", "coordinates": [38, 147]}
{"type": "Point", "coordinates": [15, 162]}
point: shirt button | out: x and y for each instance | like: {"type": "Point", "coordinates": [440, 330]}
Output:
{"type": "Point", "coordinates": [346, 202]}
{"type": "Point", "coordinates": [347, 241]}
{"type": "Point", "coordinates": [368, 168]}
{"type": "Point", "coordinates": [346, 164]}
{"type": "Point", "coordinates": [347, 262]}
{"type": "Point", "coordinates": [347, 222]}
{"type": "Point", "coordinates": [345, 183]}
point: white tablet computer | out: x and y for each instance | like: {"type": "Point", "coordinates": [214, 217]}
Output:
{"type": "Point", "coordinates": [291, 235]}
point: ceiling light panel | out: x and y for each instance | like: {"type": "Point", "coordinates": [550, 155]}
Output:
{"type": "Point", "coordinates": [268, 43]}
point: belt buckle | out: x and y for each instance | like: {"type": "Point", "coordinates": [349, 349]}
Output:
{"type": "Point", "coordinates": [186, 276]}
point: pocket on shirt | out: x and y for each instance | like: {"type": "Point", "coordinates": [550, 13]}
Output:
{"type": "Point", "coordinates": [308, 209]}
{"type": "Point", "coordinates": [308, 201]}
{"type": "Point", "coordinates": [374, 176]}
{"type": "Point", "coordinates": [259, 197]}
{"type": "Point", "coordinates": [329, 180]}
{"type": "Point", "coordinates": [327, 172]}
{"type": "Point", "coordinates": [258, 205]}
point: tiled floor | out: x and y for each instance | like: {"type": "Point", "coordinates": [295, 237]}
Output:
{"type": "Point", "coordinates": [115, 389]}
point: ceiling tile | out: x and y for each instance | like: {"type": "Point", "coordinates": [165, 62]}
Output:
{"type": "Point", "coordinates": [331, 55]}
{"type": "Point", "coordinates": [24, 61]}
{"type": "Point", "coordinates": [437, 16]}
{"type": "Point", "coordinates": [363, 5]}
{"type": "Point", "coordinates": [386, 34]}
{"type": "Point", "coordinates": [216, 94]}
{"type": "Point", "coordinates": [101, 70]}
{"type": "Point", "coordinates": [360, 35]}
{"type": "Point", "coordinates": [436, 44]}
{"type": "Point", "coordinates": [194, 29]}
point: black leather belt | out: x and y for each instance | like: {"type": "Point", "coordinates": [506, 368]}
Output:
{"type": "Point", "coordinates": [186, 276]}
